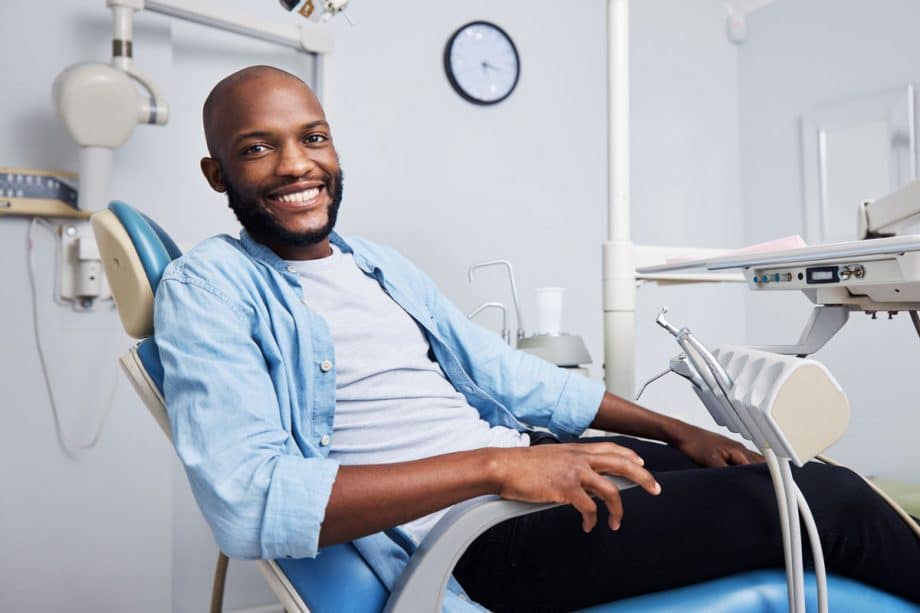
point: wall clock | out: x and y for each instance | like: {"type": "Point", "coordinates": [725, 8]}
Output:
{"type": "Point", "coordinates": [482, 63]}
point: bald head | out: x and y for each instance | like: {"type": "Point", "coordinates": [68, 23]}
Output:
{"type": "Point", "coordinates": [238, 92]}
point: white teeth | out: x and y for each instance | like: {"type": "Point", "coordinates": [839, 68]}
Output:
{"type": "Point", "coordinates": [304, 196]}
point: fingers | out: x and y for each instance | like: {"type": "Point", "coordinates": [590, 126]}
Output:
{"type": "Point", "coordinates": [620, 467]}
{"type": "Point", "coordinates": [719, 458]}
{"type": "Point", "coordinates": [588, 509]}
{"type": "Point", "coordinates": [742, 455]}
{"type": "Point", "coordinates": [602, 488]}
{"type": "Point", "coordinates": [613, 448]}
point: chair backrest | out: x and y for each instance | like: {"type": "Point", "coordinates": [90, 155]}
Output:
{"type": "Point", "coordinates": [135, 251]}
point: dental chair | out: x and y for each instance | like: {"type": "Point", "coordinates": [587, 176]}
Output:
{"type": "Point", "coordinates": [135, 252]}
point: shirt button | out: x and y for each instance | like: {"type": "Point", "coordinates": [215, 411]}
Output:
{"type": "Point", "coordinates": [326, 366]}
{"type": "Point", "coordinates": [325, 440]}
{"type": "Point", "coordinates": [291, 269]}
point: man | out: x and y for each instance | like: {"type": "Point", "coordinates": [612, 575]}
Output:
{"type": "Point", "coordinates": [322, 390]}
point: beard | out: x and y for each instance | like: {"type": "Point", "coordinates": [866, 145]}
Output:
{"type": "Point", "coordinates": [262, 226]}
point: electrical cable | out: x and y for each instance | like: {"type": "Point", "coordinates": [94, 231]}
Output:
{"type": "Point", "coordinates": [817, 551]}
{"type": "Point", "coordinates": [795, 529]}
{"type": "Point", "coordinates": [777, 480]}
{"type": "Point", "coordinates": [66, 445]}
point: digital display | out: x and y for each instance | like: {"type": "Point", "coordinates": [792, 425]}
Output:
{"type": "Point", "coordinates": [822, 274]}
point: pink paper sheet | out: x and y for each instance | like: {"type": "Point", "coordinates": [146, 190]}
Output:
{"type": "Point", "coordinates": [779, 244]}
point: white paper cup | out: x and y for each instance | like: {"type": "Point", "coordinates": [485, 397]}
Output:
{"type": "Point", "coordinates": [549, 309]}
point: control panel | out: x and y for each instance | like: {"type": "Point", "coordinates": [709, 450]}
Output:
{"type": "Point", "coordinates": [808, 275]}
{"type": "Point", "coordinates": [39, 193]}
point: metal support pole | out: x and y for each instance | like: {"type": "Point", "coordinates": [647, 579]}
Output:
{"type": "Point", "coordinates": [619, 283]}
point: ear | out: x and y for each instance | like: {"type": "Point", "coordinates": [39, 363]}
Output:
{"type": "Point", "coordinates": [210, 168]}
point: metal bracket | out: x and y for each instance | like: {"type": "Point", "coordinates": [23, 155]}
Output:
{"type": "Point", "coordinates": [824, 323]}
{"type": "Point", "coordinates": [81, 279]}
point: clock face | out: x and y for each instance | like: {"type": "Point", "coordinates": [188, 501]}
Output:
{"type": "Point", "coordinates": [482, 63]}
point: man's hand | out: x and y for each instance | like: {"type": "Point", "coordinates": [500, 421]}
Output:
{"type": "Point", "coordinates": [703, 447]}
{"type": "Point", "coordinates": [711, 449]}
{"type": "Point", "coordinates": [572, 474]}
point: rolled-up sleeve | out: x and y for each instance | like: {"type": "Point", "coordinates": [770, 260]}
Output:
{"type": "Point", "coordinates": [260, 498]}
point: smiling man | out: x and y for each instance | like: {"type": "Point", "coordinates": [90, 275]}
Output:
{"type": "Point", "coordinates": [321, 390]}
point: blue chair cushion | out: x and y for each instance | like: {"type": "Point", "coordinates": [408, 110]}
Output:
{"type": "Point", "coordinates": [337, 580]}
{"type": "Point", "coordinates": [762, 591]}
{"type": "Point", "coordinates": [148, 241]}
{"type": "Point", "coordinates": [150, 357]}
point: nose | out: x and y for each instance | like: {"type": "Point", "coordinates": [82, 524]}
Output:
{"type": "Point", "coordinates": [293, 161]}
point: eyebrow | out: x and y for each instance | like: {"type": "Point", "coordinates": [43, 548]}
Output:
{"type": "Point", "coordinates": [264, 134]}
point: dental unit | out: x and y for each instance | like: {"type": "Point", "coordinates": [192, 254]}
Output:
{"type": "Point", "coordinates": [871, 275]}
{"type": "Point", "coordinates": [790, 409]}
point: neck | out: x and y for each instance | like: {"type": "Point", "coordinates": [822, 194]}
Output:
{"type": "Point", "coordinates": [315, 251]}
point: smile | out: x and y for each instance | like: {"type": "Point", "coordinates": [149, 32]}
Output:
{"type": "Point", "coordinates": [301, 199]}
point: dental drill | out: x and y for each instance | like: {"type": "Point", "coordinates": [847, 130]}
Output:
{"type": "Point", "coordinates": [791, 409]}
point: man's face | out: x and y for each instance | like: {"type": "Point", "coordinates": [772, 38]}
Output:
{"type": "Point", "coordinates": [277, 163]}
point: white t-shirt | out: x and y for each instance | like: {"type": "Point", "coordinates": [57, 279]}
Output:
{"type": "Point", "coordinates": [393, 402]}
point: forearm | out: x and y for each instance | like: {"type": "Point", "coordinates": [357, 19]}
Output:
{"type": "Point", "coordinates": [617, 414]}
{"type": "Point", "coordinates": [370, 498]}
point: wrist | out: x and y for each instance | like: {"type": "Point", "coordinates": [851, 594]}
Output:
{"type": "Point", "coordinates": [678, 432]}
{"type": "Point", "coordinates": [495, 468]}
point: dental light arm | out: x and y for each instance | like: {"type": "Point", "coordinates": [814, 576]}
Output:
{"type": "Point", "coordinates": [791, 409]}
{"type": "Point", "coordinates": [890, 214]}
{"type": "Point", "coordinates": [100, 104]}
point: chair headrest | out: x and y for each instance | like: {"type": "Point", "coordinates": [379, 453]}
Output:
{"type": "Point", "coordinates": [135, 251]}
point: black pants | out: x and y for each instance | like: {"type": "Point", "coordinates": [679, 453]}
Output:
{"type": "Point", "coordinates": [707, 523]}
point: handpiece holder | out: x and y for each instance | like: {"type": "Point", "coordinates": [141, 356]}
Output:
{"type": "Point", "coordinates": [791, 409]}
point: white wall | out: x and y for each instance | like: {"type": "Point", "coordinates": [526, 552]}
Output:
{"type": "Point", "coordinates": [92, 532]}
{"type": "Point", "coordinates": [685, 177]}
{"type": "Point", "coordinates": [451, 184]}
{"type": "Point", "coordinates": [800, 55]}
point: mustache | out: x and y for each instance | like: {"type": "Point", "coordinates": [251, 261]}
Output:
{"type": "Point", "coordinates": [329, 181]}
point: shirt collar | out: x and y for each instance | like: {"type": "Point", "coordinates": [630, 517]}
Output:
{"type": "Point", "coordinates": [265, 255]}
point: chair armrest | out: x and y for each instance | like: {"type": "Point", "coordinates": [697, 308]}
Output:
{"type": "Point", "coordinates": [421, 585]}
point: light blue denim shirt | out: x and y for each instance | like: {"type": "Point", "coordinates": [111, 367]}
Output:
{"type": "Point", "coordinates": [250, 390]}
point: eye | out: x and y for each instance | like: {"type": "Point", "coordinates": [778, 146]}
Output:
{"type": "Point", "coordinates": [255, 149]}
{"type": "Point", "coordinates": [316, 139]}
